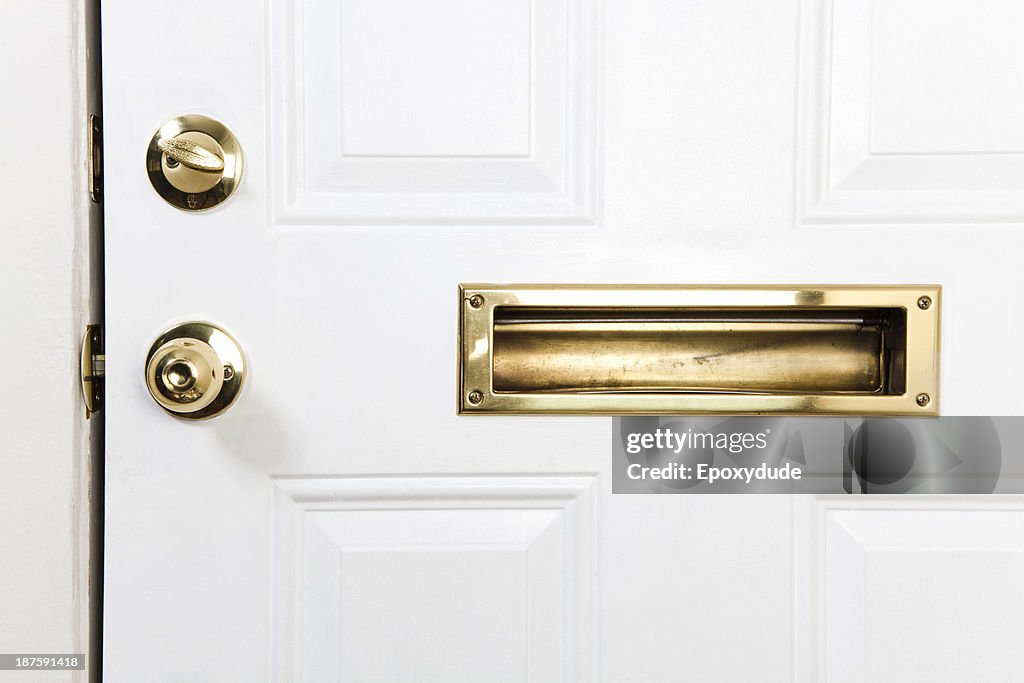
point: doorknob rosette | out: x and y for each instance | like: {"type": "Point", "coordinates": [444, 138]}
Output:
{"type": "Point", "coordinates": [194, 162]}
{"type": "Point", "coordinates": [195, 370]}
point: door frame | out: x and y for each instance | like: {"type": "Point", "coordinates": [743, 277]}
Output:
{"type": "Point", "coordinates": [51, 261]}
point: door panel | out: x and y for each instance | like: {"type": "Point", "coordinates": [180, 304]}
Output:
{"type": "Point", "coordinates": [392, 112]}
{"type": "Point", "coordinates": [341, 522]}
{"type": "Point", "coordinates": [908, 113]}
{"type": "Point", "coordinates": [907, 589]}
{"type": "Point", "coordinates": [495, 574]}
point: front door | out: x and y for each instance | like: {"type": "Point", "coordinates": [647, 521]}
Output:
{"type": "Point", "coordinates": [340, 521]}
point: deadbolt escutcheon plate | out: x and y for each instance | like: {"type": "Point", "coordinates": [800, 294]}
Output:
{"type": "Point", "coordinates": [194, 162]}
{"type": "Point", "coordinates": [195, 370]}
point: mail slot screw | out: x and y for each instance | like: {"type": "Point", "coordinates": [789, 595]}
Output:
{"type": "Point", "coordinates": [476, 301]}
{"type": "Point", "coordinates": [923, 400]}
{"type": "Point", "coordinates": [924, 303]}
{"type": "Point", "coordinates": [476, 398]}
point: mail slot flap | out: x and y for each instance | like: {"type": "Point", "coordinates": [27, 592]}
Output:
{"type": "Point", "coordinates": [818, 354]}
{"type": "Point", "coordinates": [686, 350]}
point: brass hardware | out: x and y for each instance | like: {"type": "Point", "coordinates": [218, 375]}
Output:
{"type": "Point", "coordinates": [95, 158]}
{"type": "Point", "coordinates": [91, 369]}
{"type": "Point", "coordinates": [699, 350]}
{"type": "Point", "coordinates": [924, 303]}
{"type": "Point", "coordinates": [923, 400]}
{"type": "Point", "coordinates": [194, 162]}
{"type": "Point", "coordinates": [195, 370]}
{"type": "Point", "coordinates": [191, 154]}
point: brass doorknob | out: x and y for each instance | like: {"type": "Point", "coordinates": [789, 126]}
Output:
{"type": "Point", "coordinates": [195, 370]}
{"type": "Point", "coordinates": [194, 162]}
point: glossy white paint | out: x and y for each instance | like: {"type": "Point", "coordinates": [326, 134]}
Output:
{"type": "Point", "coordinates": [908, 113]}
{"type": "Point", "coordinates": [372, 563]}
{"type": "Point", "coordinates": [44, 279]}
{"type": "Point", "coordinates": [439, 113]}
{"type": "Point", "coordinates": [912, 589]}
{"type": "Point", "coordinates": [668, 142]}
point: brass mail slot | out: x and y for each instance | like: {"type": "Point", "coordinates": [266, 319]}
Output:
{"type": "Point", "coordinates": [699, 350]}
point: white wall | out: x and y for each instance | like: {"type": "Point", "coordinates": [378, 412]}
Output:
{"type": "Point", "coordinates": [44, 304]}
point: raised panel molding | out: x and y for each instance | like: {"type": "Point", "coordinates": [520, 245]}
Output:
{"type": "Point", "coordinates": [911, 589]}
{"type": "Point", "coordinates": [463, 578]}
{"type": "Point", "coordinates": [909, 112]}
{"type": "Point", "coordinates": [388, 112]}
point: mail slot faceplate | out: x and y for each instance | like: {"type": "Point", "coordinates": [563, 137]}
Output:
{"type": "Point", "coordinates": [659, 349]}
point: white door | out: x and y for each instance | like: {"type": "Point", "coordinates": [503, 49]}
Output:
{"type": "Point", "coordinates": [342, 523]}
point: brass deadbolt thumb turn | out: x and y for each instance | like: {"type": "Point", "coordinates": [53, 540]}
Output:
{"type": "Point", "coordinates": [191, 154]}
{"type": "Point", "coordinates": [194, 162]}
{"type": "Point", "coordinates": [195, 370]}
